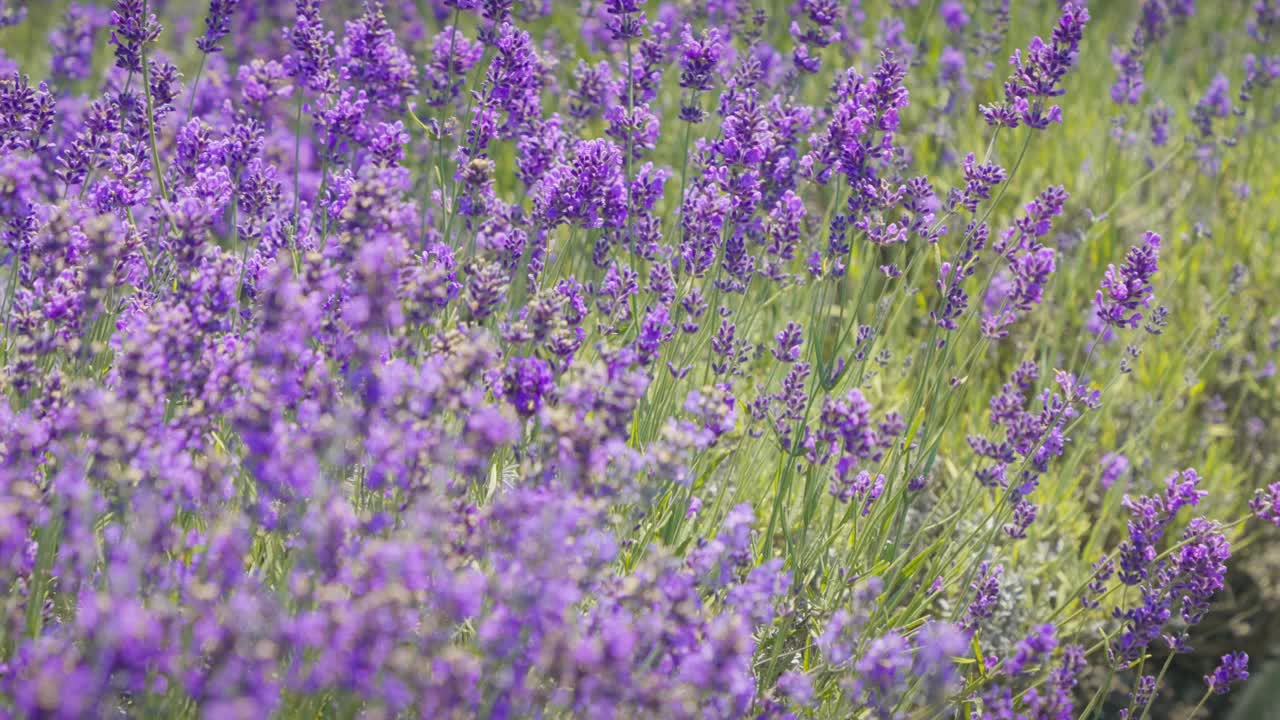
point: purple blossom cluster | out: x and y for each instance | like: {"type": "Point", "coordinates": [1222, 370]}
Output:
{"type": "Point", "coordinates": [1037, 77]}
{"type": "Point", "coordinates": [416, 359]}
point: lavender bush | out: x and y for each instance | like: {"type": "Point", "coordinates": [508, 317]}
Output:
{"type": "Point", "coordinates": [612, 359]}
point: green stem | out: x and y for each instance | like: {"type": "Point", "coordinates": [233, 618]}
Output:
{"type": "Point", "coordinates": [297, 191]}
{"type": "Point", "coordinates": [1163, 669]}
{"type": "Point", "coordinates": [151, 119]}
{"type": "Point", "coordinates": [191, 104]}
{"type": "Point", "coordinates": [439, 154]}
{"type": "Point", "coordinates": [1203, 699]}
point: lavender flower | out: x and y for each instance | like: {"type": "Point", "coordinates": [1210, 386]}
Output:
{"type": "Point", "coordinates": [72, 42]}
{"type": "Point", "coordinates": [986, 589]}
{"type": "Point", "coordinates": [883, 669]}
{"type": "Point", "coordinates": [217, 25]}
{"type": "Point", "coordinates": [1233, 669]}
{"type": "Point", "coordinates": [626, 21]}
{"type": "Point", "coordinates": [311, 62]}
{"type": "Point", "coordinates": [699, 56]}
{"type": "Point", "coordinates": [1030, 262]}
{"type": "Point", "coordinates": [526, 382]}
{"type": "Point", "coordinates": [954, 15]}
{"type": "Point", "coordinates": [788, 340]}
{"type": "Point", "coordinates": [1036, 647]}
{"type": "Point", "coordinates": [1150, 515]}
{"type": "Point", "coordinates": [1114, 466]}
{"type": "Point", "coordinates": [1037, 79]}
{"type": "Point", "coordinates": [1125, 291]}
{"type": "Point", "coordinates": [463, 411]}
{"type": "Point", "coordinates": [586, 191]}
{"type": "Point", "coordinates": [131, 32]}
{"type": "Point", "coordinates": [370, 59]}
{"type": "Point", "coordinates": [10, 16]}
{"type": "Point", "coordinates": [1266, 504]}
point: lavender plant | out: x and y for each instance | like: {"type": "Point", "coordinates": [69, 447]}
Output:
{"type": "Point", "coordinates": [477, 358]}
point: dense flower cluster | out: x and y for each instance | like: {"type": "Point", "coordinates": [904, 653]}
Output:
{"type": "Point", "coordinates": [476, 358]}
{"type": "Point", "coordinates": [1233, 669]}
{"type": "Point", "coordinates": [1036, 78]}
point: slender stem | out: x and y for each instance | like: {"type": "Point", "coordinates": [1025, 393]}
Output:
{"type": "Point", "coordinates": [244, 252]}
{"type": "Point", "coordinates": [684, 171]}
{"type": "Point", "coordinates": [10, 289]}
{"type": "Point", "coordinates": [320, 213]}
{"type": "Point", "coordinates": [1203, 699]}
{"type": "Point", "coordinates": [453, 201]}
{"type": "Point", "coordinates": [1163, 669]}
{"type": "Point", "coordinates": [1094, 702]}
{"type": "Point", "coordinates": [444, 109]}
{"type": "Point", "coordinates": [297, 168]}
{"type": "Point", "coordinates": [151, 118]}
{"type": "Point", "coordinates": [191, 104]}
{"type": "Point", "coordinates": [628, 120]}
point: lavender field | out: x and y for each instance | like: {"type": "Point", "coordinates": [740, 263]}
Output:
{"type": "Point", "coordinates": [611, 359]}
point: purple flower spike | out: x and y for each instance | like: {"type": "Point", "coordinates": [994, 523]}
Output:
{"type": "Point", "coordinates": [1266, 504]}
{"type": "Point", "coordinates": [1038, 77]}
{"type": "Point", "coordinates": [699, 56]}
{"type": "Point", "coordinates": [131, 30]}
{"type": "Point", "coordinates": [788, 340]}
{"type": "Point", "coordinates": [217, 25]}
{"type": "Point", "coordinates": [1233, 669]}
{"type": "Point", "coordinates": [526, 382]}
{"type": "Point", "coordinates": [1114, 467]}
{"type": "Point", "coordinates": [1125, 291]}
